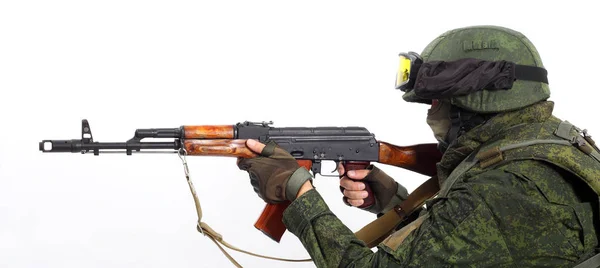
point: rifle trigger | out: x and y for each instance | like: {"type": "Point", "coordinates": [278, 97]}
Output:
{"type": "Point", "coordinates": [317, 169]}
{"type": "Point", "coordinates": [337, 164]}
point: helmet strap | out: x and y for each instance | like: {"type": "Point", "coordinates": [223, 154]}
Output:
{"type": "Point", "coordinates": [463, 121]}
{"type": "Point", "coordinates": [446, 79]}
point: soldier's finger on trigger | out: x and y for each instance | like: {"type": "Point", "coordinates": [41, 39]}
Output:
{"type": "Point", "coordinates": [340, 169]}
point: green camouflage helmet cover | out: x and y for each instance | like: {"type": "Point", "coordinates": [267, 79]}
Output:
{"type": "Point", "coordinates": [492, 43]}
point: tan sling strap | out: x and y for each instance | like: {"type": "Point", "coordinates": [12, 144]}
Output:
{"type": "Point", "coordinates": [376, 231]}
{"type": "Point", "coordinates": [217, 238]}
{"type": "Point", "coordinates": [592, 262]}
{"type": "Point", "coordinates": [372, 234]}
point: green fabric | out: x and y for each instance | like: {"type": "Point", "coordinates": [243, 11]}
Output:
{"type": "Point", "coordinates": [401, 195]}
{"type": "Point", "coordinates": [488, 43]}
{"type": "Point", "coordinates": [269, 149]}
{"type": "Point", "coordinates": [520, 213]}
{"type": "Point", "coordinates": [298, 178]}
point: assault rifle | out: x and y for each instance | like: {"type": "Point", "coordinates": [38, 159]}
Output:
{"type": "Point", "coordinates": [353, 147]}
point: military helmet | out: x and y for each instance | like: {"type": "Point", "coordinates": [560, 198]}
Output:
{"type": "Point", "coordinates": [492, 43]}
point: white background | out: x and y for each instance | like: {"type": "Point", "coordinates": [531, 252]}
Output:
{"type": "Point", "coordinates": [150, 64]}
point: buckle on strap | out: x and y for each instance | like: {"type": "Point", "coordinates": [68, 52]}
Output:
{"type": "Point", "coordinates": [584, 143]}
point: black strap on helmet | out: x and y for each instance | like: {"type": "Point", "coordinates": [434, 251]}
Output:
{"type": "Point", "coordinates": [531, 73]}
{"type": "Point", "coordinates": [445, 79]}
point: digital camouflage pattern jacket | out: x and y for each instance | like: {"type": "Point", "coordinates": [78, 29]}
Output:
{"type": "Point", "coordinates": [517, 206]}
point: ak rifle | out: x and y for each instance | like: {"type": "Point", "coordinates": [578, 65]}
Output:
{"type": "Point", "coordinates": [353, 147]}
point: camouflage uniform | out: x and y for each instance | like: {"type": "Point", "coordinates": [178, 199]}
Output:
{"type": "Point", "coordinates": [519, 189]}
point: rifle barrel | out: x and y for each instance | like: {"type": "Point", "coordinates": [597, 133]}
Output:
{"type": "Point", "coordinates": [74, 146]}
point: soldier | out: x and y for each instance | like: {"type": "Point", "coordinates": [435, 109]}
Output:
{"type": "Point", "coordinates": [519, 187]}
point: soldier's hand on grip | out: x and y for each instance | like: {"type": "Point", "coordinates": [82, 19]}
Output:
{"type": "Point", "coordinates": [386, 191]}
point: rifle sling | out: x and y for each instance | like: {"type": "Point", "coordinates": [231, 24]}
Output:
{"type": "Point", "coordinates": [217, 238]}
{"type": "Point", "coordinates": [372, 234]}
{"type": "Point", "coordinates": [376, 231]}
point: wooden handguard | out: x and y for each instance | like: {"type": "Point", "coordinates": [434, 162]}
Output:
{"type": "Point", "coordinates": [222, 147]}
{"type": "Point", "coordinates": [270, 221]}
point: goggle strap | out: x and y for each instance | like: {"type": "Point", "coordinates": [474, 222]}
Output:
{"type": "Point", "coordinates": [531, 73]}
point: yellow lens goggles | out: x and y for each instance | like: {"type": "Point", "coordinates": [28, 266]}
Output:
{"type": "Point", "coordinates": [407, 70]}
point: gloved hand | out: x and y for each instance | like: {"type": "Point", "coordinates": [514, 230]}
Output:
{"type": "Point", "coordinates": [386, 191]}
{"type": "Point", "coordinates": [274, 173]}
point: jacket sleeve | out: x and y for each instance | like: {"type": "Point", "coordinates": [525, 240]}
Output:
{"type": "Point", "coordinates": [448, 229]}
{"type": "Point", "coordinates": [328, 241]}
{"type": "Point", "coordinates": [480, 223]}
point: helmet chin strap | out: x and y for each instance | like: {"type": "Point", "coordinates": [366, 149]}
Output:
{"type": "Point", "coordinates": [442, 145]}
{"type": "Point", "coordinates": [461, 122]}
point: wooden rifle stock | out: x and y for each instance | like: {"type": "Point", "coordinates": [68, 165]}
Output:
{"type": "Point", "coordinates": [420, 158]}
